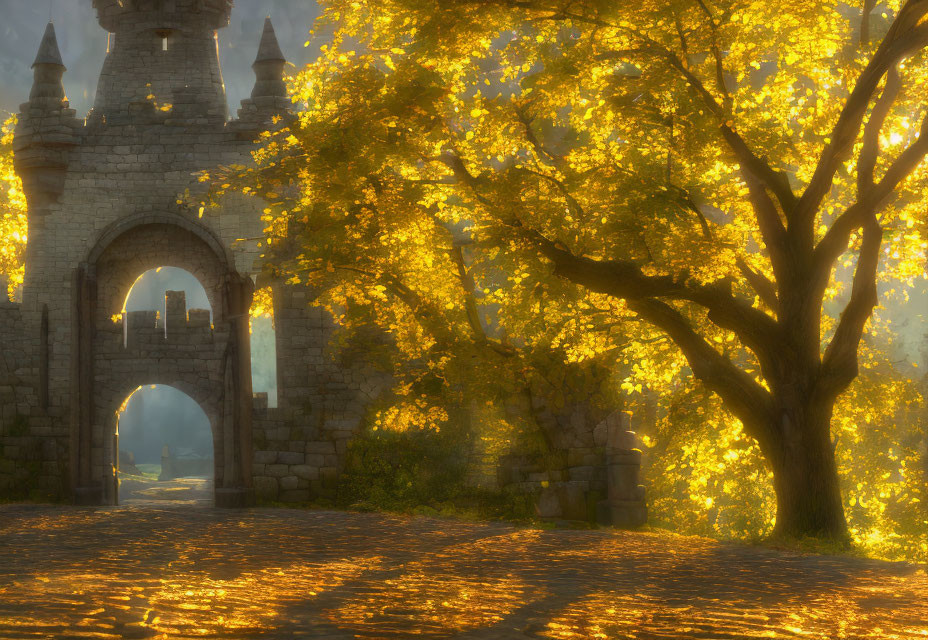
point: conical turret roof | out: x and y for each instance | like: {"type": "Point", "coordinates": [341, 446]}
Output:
{"type": "Point", "coordinates": [48, 50]}
{"type": "Point", "coordinates": [269, 49]}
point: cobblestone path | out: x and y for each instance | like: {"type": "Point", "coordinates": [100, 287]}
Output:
{"type": "Point", "coordinates": [197, 572]}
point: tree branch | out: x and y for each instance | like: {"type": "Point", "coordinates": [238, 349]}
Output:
{"type": "Point", "coordinates": [717, 55]}
{"type": "Point", "coordinates": [866, 161]}
{"type": "Point", "coordinates": [747, 400]}
{"type": "Point", "coordinates": [775, 181]}
{"type": "Point", "coordinates": [766, 176]}
{"type": "Point", "coordinates": [865, 22]}
{"type": "Point", "coordinates": [765, 289]}
{"type": "Point", "coordinates": [543, 151]}
{"type": "Point", "coordinates": [839, 364]}
{"type": "Point", "coordinates": [624, 279]}
{"type": "Point", "coordinates": [469, 287]}
{"type": "Point", "coordinates": [836, 239]}
{"type": "Point", "coordinates": [904, 37]}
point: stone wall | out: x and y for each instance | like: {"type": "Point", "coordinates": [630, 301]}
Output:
{"type": "Point", "coordinates": [321, 404]}
{"type": "Point", "coordinates": [590, 473]}
{"type": "Point", "coordinates": [31, 464]}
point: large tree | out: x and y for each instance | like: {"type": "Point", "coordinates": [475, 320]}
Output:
{"type": "Point", "coordinates": [732, 177]}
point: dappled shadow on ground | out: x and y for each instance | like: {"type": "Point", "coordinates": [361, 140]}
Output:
{"type": "Point", "coordinates": [145, 571]}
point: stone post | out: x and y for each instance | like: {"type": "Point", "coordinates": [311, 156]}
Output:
{"type": "Point", "coordinates": [167, 465]}
{"type": "Point", "coordinates": [626, 497]}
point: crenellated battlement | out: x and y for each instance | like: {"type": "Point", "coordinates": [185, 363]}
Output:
{"type": "Point", "coordinates": [178, 327]}
{"type": "Point", "coordinates": [160, 81]}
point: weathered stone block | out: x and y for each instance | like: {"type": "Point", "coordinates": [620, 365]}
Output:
{"type": "Point", "coordinates": [573, 500]}
{"type": "Point", "coordinates": [320, 447]}
{"type": "Point", "coordinates": [548, 504]}
{"type": "Point", "coordinates": [622, 482]}
{"type": "Point", "coordinates": [290, 457]}
{"type": "Point", "coordinates": [624, 457]}
{"type": "Point", "coordinates": [305, 471]}
{"type": "Point", "coordinates": [277, 470]}
{"type": "Point", "coordinates": [582, 473]}
{"type": "Point", "coordinates": [265, 457]}
{"type": "Point", "coordinates": [628, 515]}
{"type": "Point", "coordinates": [315, 459]}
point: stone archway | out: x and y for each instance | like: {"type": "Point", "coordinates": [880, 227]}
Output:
{"type": "Point", "coordinates": [208, 408]}
{"type": "Point", "coordinates": [117, 352]}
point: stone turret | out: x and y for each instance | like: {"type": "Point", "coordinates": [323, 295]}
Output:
{"type": "Point", "coordinates": [48, 62]}
{"type": "Point", "coordinates": [162, 62]}
{"type": "Point", "coordinates": [269, 66]}
{"type": "Point", "coordinates": [269, 96]}
{"type": "Point", "coordinates": [47, 129]}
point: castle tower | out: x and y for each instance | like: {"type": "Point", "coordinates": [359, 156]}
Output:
{"type": "Point", "coordinates": [106, 205]}
{"type": "Point", "coordinates": [162, 56]}
{"type": "Point", "coordinates": [115, 196]}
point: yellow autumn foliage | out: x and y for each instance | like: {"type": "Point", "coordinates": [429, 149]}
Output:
{"type": "Point", "coordinates": [511, 190]}
{"type": "Point", "coordinates": [13, 227]}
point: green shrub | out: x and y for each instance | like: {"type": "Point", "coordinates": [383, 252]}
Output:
{"type": "Point", "coordinates": [394, 470]}
{"type": "Point", "coordinates": [422, 471]}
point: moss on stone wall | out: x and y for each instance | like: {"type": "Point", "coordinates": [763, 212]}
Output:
{"type": "Point", "coordinates": [17, 426]}
{"type": "Point", "coordinates": [23, 459]}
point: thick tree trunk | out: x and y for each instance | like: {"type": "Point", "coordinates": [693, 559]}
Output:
{"type": "Point", "coordinates": [806, 476]}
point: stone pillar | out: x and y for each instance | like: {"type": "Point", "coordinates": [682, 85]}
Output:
{"type": "Point", "coordinates": [167, 465]}
{"type": "Point", "coordinates": [625, 505]}
{"type": "Point", "coordinates": [238, 405]}
{"type": "Point", "coordinates": [87, 489]}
